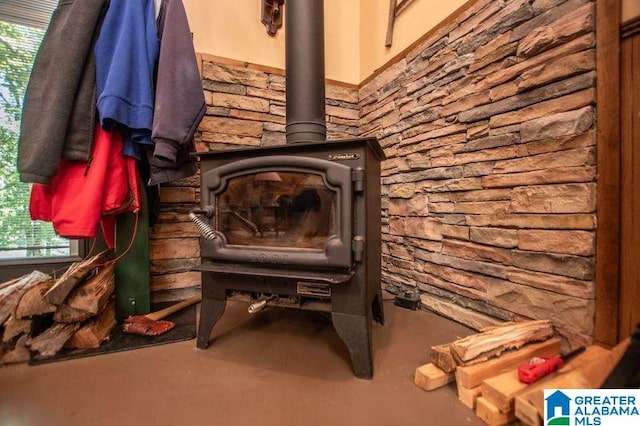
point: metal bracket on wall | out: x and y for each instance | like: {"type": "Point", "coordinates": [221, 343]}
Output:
{"type": "Point", "coordinates": [272, 15]}
{"type": "Point", "coordinates": [395, 8]}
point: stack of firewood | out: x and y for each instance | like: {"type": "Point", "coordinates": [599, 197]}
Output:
{"type": "Point", "coordinates": [485, 368]}
{"type": "Point", "coordinates": [40, 315]}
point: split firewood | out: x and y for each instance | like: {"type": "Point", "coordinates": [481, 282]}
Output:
{"type": "Point", "coordinates": [10, 295]}
{"type": "Point", "coordinates": [20, 353]}
{"type": "Point", "coordinates": [8, 283]}
{"type": "Point", "coordinates": [96, 331]}
{"type": "Point", "coordinates": [72, 277]}
{"type": "Point", "coordinates": [66, 314]}
{"type": "Point", "coordinates": [484, 346]}
{"type": "Point", "coordinates": [14, 327]}
{"type": "Point", "coordinates": [33, 303]}
{"type": "Point", "coordinates": [442, 357]}
{"type": "Point", "coordinates": [50, 342]}
{"type": "Point", "coordinates": [93, 295]}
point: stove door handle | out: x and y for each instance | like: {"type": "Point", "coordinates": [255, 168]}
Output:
{"type": "Point", "coordinates": [204, 228]}
{"type": "Point", "coordinates": [357, 246]}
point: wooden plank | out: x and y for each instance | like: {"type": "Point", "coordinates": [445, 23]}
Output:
{"type": "Point", "coordinates": [490, 344]}
{"type": "Point", "coordinates": [502, 389]}
{"type": "Point", "coordinates": [490, 414]}
{"type": "Point", "coordinates": [441, 356]}
{"type": "Point", "coordinates": [629, 295]}
{"type": "Point", "coordinates": [468, 396]}
{"type": "Point", "coordinates": [429, 377]}
{"type": "Point", "coordinates": [526, 412]}
{"type": "Point", "coordinates": [390, 23]}
{"type": "Point", "coordinates": [598, 372]}
{"type": "Point", "coordinates": [473, 375]}
{"type": "Point", "coordinates": [607, 280]}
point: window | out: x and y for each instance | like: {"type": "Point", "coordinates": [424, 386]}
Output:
{"type": "Point", "coordinates": [22, 27]}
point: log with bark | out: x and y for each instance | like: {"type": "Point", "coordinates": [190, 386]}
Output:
{"type": "Point", "coordinates": [33, 302]}
{"type": "Point", "coordinates": [31, 323]}
{"type": "Point", "coordinates": [73, 276]}
{"type": "Point", "coordinates": [20, 353]}
{"type": "Point", "coordinates": [441, 357]}
{"type": "Point", "coordinates": [92, 296]}
{"type": "Point", "coordinates": [484, 346]}
{"type": "Point", "coordinates": [95, 331]}
{"type": "Point", "coordinates": [11, 294]}
{"type": "Point", "coordinates": [14, 327]}
{"type": "Point", "coordinates": [50, 342]}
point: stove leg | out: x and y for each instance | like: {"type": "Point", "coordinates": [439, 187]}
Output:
{"type": "Point", "coordinates": [377, 308]}
{"type": "Point", "coordinates": [210, 312]}
{"type": "Point", "coordinates": [355, 332]}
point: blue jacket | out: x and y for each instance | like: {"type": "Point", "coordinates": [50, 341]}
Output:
{"type": "Point", "coordinates": [126, 56]}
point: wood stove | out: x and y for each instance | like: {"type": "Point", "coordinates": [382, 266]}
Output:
{"type": "Point", "coordinates": [296, 225]}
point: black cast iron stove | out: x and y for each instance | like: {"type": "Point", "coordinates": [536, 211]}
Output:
{"type": "Point", "coordinates": [296, 225]}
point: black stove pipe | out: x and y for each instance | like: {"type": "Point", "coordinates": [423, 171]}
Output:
{"type": "Point", "coordinates": [304, 55]}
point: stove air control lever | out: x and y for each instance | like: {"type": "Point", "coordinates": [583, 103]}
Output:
{"type": "Point", "coordinates": [260, 304]}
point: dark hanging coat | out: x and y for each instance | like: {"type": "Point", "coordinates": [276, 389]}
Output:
{"type": "Point", "coordinates": [58, 114]}
{"type": "Point", "coordinates": [179, 103]}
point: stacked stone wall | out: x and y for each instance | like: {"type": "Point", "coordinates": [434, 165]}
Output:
{"type": "Point", "coordinates": [489, 190]}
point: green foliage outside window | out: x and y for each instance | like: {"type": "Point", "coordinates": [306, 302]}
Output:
{"type": "Point", "coordinates": [19, 235]}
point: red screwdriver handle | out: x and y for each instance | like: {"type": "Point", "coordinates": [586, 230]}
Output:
{"type": "Point", "coordinates": [538, 367]}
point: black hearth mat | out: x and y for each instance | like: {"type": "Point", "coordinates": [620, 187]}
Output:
{"type": "Point", "coordinates": [185, 329]}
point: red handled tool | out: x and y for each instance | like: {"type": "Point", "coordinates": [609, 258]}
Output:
{"type": "Point", "coordinates": [541, 366]}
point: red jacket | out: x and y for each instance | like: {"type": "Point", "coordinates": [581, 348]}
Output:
{"type": "Point", "coordinates": [83, 195]}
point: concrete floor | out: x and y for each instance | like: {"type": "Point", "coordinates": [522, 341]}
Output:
{"type": "Point", "coordinates": [277, 367]}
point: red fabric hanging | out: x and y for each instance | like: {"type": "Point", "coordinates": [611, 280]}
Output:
{"type": "Point", "coordinates": [82, 196]}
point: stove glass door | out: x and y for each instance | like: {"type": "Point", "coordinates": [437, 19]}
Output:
{"type": "Point", "coordinates": [280, 209]}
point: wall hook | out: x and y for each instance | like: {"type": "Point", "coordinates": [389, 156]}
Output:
{"type": "Point", "coordinates": [272, 15]}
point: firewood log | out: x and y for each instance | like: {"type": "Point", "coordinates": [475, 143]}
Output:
{"type": "Point", "coordinates": [8, 283]}
{"type": "Point", "coordinates": [68, 315]}
{"type": "Point", "coordinates": [50, 342]}
{"type": "Point", "coordinates": [441, 357]}
{"type": "Point", "coordinates": [20, 353]}
{"type": "Point", "coordinates": [14, 327]}
{"type": "Point", "coordinates": [10, 295]}
{"type": "Point", "coordinates": [93, 295]}
{"type": "Point", "coordinates": [73, 276]}
{"type": "Point", "coordinates": [33, 303]}
{"type": "Point", "coordinates": [95, 331]}
{"type": "Point", "coordinates": [483, 346]}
